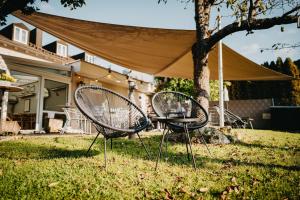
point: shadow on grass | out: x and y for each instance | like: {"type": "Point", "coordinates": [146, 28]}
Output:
{"type": "Point", "coordinates": [132, 148]}
{"type": "Point", "coordinates": [261, 146]}
{"type": "Point", "coordinates": [236, 162]}
{"type": "Point", "coordinates": [21, 150]}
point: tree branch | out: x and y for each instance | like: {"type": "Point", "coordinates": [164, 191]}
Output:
{"type": "Point", "coordinates": [255, 24]}
{"type": "Point", "coordinates": [250, 12]}
{"type": "Point", "coordinates": [218, 3]}
{"type": "Point", "coordinates": [279, 46]}
{"type": "Point", "coordinates": [291, 11]}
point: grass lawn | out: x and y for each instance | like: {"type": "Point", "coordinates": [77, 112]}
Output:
{"type": "Point", "coordinates": [264, 165]}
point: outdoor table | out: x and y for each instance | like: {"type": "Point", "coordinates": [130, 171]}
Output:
{"type": "Point", "coordinates": [167, 122]}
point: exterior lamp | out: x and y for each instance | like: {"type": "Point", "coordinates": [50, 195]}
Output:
{"type": "Point", "coordinates": [109, 73]}
{"type": "Point", "coordinates": [131, 85]}
{"type": "Point", "coordinates": [109, 76]}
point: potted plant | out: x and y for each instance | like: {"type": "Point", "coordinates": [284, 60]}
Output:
{"type": "Point", "coordinates": [6, 79]}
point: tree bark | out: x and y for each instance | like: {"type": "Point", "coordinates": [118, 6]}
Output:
{"type": "Point", "coordinates": [200, 53]}
{"type": "Point", "coordinates": [201, 76]}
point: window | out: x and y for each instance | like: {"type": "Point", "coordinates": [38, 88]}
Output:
{"type": "Point", "coordinates": [61, 50]}
{"type": "Point", "coordinates": [57, 96]}
{"type": "Point", "coordinates": [89, 58]}
{"type": "Point", "coordinates": [21, 35]}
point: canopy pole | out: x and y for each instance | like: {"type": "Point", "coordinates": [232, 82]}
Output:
{"type": "Point", "coordinates": [220, 69]}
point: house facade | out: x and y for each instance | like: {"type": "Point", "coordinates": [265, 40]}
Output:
{"type": "Point", "coordinates": [49, 77]}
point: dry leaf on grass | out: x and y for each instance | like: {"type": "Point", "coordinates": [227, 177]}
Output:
{"type": "Point", "coordinates": [255, 181]}
{"type": "Point", "coordinates": [183, 190]}
{"type": "Point", "coordinates": [178, 178]}
{"type": "Point", "coordinates": [203, 190]}
{"type": "Point", "coordinates": [53, 184]}
{"type": "Point", "coordinates": [168, 195]}
{"type": "Point", "coordinates": [233, 180]}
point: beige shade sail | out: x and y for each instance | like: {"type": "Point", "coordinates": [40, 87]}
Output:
{"type": "Point", "coordinates": [160, 52]}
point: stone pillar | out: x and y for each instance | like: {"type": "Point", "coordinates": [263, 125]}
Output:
{"type": "Point", "coordinates": [4, 106]}
{"type": "Point", "coordinates": [3, 67]}
{"type": "Point", "coordinates": [131, 88]}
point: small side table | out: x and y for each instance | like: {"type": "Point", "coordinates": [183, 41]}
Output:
{"type": "Point", "coordinates": [9, 88]}
{"type": "Point", "coordinates": [167, 129]}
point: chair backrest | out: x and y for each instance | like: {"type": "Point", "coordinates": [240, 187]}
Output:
{"type": "Point", "coordinates": [110, 110]}
{"type": "Point", "coordinates": [229, 116]}
{"type": "Point", "coordinates": [176, 104]}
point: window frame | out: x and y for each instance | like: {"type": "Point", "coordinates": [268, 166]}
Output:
{"type": "Point", "coordinates": [19, 37]}
{"type": "Point", "coordinates": [59, 49]}
{"type": "Point", "coordinates": [89, 58]}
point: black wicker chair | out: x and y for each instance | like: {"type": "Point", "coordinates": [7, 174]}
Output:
{"type": "Point", "coordinates": [168, 104]}
{"type": "Point", "coordinates": [112, 114]}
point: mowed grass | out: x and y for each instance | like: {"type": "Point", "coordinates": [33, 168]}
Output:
{"type": "Point", "coordinates": [264, 165]}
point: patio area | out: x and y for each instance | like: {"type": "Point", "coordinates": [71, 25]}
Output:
{"type": "Point", "coordinates": [262, 164]}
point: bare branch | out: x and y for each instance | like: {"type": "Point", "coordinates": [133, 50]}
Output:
{"type": "Point", "coordinates": [218, 3]}
{"type": "Point", "coordinates": [255, 24]}
{"type": "Point", "coordinates": [291, 11]}
{"type": "Point", "coordinates": [250, 12]}
{"type": "Point", "coordinates": [279, 46]}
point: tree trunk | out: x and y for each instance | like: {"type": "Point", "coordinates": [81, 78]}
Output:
{"type": "Point", "coordinates": [201, 79]}
{"type": "Point", "coordinates": [200, 53]}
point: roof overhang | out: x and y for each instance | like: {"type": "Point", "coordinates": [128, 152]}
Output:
{"type": "Point", "coordinates": [103, 75]}
{"type": "Point", "coordinates": [34, 63]}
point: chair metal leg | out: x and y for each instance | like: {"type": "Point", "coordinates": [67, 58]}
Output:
{"type": "Point", "coordinates": [93, 143]}
{"type": "Point", "coordinates": [160, 149]}
{"type": "Point", "coordinates": [149, 157]}
{"type": "Point", "coordinates": [204, 142]}
{"type": "Point", "coordinates": [190, 145]}
{"type": "Point", "coordinates": [166, 141]}
{"type": "Point", "coordinates": [187, 148]}
{"type": "Point", "coordinates": [251, 124]}
{"type": "Point", "coordinates": [105, 159]}
{"type": "Point", "coordinates": [111, 143]}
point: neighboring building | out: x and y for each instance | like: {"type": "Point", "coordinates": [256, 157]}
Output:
{"type": "Point", "coordinates": [17, 32]}
{"type": "Point", "coordinates": [36, 37]}
{"type": "Point", "coordinates": [87, 57]}
{"type": "Point", "coordinates": [49, 77]}
{"type": "Point", "coordinates": [59, 47]}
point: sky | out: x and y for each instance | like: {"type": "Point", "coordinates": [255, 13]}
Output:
{"type": "Point", "coordinates": [175, 15]}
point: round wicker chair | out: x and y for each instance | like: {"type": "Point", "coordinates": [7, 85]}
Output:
{"type": "Point", "coordinates": [112, 114]}
{"type": "Point", "coordinates": [169, 104]}
{"type": "Point", "coordinates": [176, 104]}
